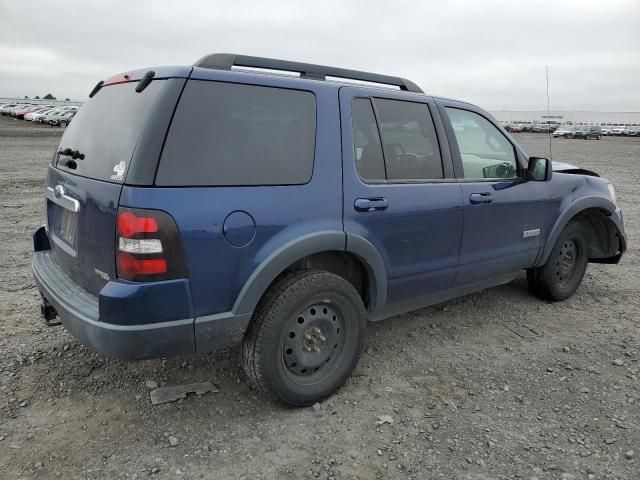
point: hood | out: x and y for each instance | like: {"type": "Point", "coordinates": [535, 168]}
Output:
{"type": "Point", "coordinates": [562, 167]}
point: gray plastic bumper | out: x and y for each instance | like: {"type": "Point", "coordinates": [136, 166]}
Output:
{"type": "Point", "coordinates": [79, 312]}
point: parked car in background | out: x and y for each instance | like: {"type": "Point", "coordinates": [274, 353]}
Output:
{"type": "Point", "coordinates": [4, 110]}
{"type": "Point", "coordinates": [605, 130]}
{"type": "Point", "coordinates": [40, 116]}
{"type": "Point", "coordinates": [631, 131]}
{"type": "Point", "coordinates": [53, 115]}
{"type": "Point", "coordinates": [13, 110]}
{"type": "Point", "coordinates": [20, 113]}
{"type": "Point", "coordinates": [63, 119]}
{"type": "Point", "coordinates": [618, 130]}
{"type": "Point", "coordinates": [542, 128]}
{"type": "Point", "coordinates": [44, 108]}
{"type": "Point", "coordinates": [587, 132]}
{"type": "Point", "coordinates": [515, 129]}
{"type": "Point", "coordinates": [565, 131]}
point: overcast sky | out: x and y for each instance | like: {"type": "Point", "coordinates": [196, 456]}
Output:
{"type": "Point", "coordinates": [491, 53]}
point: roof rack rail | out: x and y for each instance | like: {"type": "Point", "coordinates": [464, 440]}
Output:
{"type": "Point", "coordinates": [224, 61]}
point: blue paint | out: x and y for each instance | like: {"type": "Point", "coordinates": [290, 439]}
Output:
{"type": "Point", "coordinates": [239, 229]}
{"type": "Point", "coordinates": [431, 240]}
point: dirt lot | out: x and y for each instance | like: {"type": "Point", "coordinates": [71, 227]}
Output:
{"type": "Point", "coordinates": [497, 385]}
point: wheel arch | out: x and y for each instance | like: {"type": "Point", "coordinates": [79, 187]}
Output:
{"type": "Point", "coordinates": [597, 215]}
{"type": "Point", "coordinates": [312, 251]}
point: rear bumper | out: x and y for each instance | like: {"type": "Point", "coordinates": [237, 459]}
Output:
{"type": "Point", "coordinates": [129, 320]}
{"type": "Point", "coordinates": [79, 313]}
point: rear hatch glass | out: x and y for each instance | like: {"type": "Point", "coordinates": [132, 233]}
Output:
{"type": "Point", "coordinates": [83, 193]}
{"type": "Point", "coordinates": [106, 130]}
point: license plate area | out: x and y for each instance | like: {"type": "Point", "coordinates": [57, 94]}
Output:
{"type": "Point", "coordinates": [64, 228]}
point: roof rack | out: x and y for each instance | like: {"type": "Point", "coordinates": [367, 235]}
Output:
{"type": "Point", "coordinates": [224, 61]}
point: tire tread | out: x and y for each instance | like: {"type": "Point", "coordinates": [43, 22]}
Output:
{"type": "Point", "coordinates": [284, 290]}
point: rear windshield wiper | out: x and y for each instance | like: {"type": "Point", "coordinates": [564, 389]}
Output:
{"type": "Point", "coordinates": [74, 154]}
{"type": "Point", "coordinates": [70, 162]}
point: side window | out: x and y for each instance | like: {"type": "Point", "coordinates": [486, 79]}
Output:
{"type": "Point", "coordinates": [485, 151]}
{"type": "Point", "coordinates": [367, 149]}
{"type": "Point", "coordinates": [233, 134]}
{"type": "Point", "coordinates": [410, 144]}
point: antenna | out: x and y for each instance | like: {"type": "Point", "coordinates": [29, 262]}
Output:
{"type": "Point", "coordinates": [548, 114]}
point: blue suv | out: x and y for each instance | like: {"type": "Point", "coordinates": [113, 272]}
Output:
{"type": "Point", "coordinates": [191, 209]}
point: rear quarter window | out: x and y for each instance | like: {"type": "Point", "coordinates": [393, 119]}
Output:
{"type": "Point", "coordinates": [226, 134]}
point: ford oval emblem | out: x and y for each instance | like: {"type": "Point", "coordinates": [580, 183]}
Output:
{"type": "Point", "coordinates": [58, 191]}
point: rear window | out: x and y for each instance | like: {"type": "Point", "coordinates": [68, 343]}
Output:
{"type": "Point", "coordinates": [226, 134]}
{"type": "Point", "coordinates": [106, 129]}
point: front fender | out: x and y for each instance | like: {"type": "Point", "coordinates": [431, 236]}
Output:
{"type": "Point", "coordinates": [574, 209]}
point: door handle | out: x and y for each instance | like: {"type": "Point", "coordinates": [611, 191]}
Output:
{"type": "Point", "coordinates": [370, 204]}
{"type": "Point", "coordinates": [477, 198]}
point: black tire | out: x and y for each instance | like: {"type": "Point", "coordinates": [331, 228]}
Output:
{"type": "Point", "coordinates": [562, 273]}
{"type": "Point", "coordinates": [305, 337]}
{"type": "Point", "coordinates": [62, 123]}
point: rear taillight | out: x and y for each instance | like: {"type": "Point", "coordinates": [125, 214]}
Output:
{"type": "Point", "coordinates": [149, 246]}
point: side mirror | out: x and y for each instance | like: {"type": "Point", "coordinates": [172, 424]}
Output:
{"type": "Point", "coordinates": [539, 169]}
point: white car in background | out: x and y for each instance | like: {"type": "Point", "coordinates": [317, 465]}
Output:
{"type": "Point", "coordinates": [4, 109]}
{"type": "Point", "coordinates": [39, 116]}
{"type": "Point", "coordinates": [616, 131]}
{"type": "Point", "coordinates": [50, 115]}
{"type": "Point", "coordinates": [45, 108]}
{"type": "Point", "coordinates": [44, 117]}
{"type": "Point", "coordinates": [12, 111]}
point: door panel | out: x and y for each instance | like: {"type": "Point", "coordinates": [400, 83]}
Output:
{"type": "Point", "coordinates": [503, 214]}
{"type": "Point", "coordinates": [494, 240]}
{"type": "Point", "coordinates": [416, 225]}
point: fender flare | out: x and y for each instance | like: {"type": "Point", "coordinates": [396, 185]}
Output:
{"type": "Point", "coordinates": [279, 260]}
{"type": "Point", "coordinates": [376, 271]}
{"type": "Point", "coordinates": [566, 216]}
{"type": "Point", "coordinates": [309, 244]}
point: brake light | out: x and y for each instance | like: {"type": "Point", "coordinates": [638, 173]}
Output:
{"type": "Point", "coordinates": [130, 267]}
{"type": "Point", "coordinates": [149, 247]}
{"type": "Point", "coordinates": [129, 224]}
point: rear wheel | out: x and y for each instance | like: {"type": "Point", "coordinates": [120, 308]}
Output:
{"type": "Point", "coordinates": [562, 273]}
{"type": "Point", "coordinates": [305, 337]}
{"type": "Point", "coordinates": [63, 123]}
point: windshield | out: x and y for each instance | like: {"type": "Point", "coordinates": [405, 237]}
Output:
{"type": "Point", "coordinates": [106, 129]}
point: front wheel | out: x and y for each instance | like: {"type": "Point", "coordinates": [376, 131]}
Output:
{"type": "Point", "coordinates": [305, 337]}
{"type": "Point", "coordinates": [63, 123]}
{"type": "Point", "coordinates": [562, 273]}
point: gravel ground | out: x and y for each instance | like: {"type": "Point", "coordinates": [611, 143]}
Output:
{"type": "Point", "coordinates": [497, 385]}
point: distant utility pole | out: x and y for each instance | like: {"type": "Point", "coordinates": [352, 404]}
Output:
{"type": "Point", "coordinates": [548, 110]}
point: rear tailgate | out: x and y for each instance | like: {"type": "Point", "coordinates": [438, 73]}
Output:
{"type": "Point", "coordinates": [90, 166]}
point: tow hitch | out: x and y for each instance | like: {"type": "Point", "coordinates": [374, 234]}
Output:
{"type": "Point", "coordinates": [49, 314]}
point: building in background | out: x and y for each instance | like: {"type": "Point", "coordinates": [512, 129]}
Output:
{"type": "Point", "coordinates": [567, 117]}
{"type": "Point", "coordinates": [37, 101]}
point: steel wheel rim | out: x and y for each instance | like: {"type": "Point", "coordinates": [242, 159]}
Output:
{"type": "Point", "coordinates": [567, 261]}
{"type": "Point", "coordinates": [313, 342]}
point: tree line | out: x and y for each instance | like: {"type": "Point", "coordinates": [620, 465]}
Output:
{"type": "Point", "coordinates": [48, 96]}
